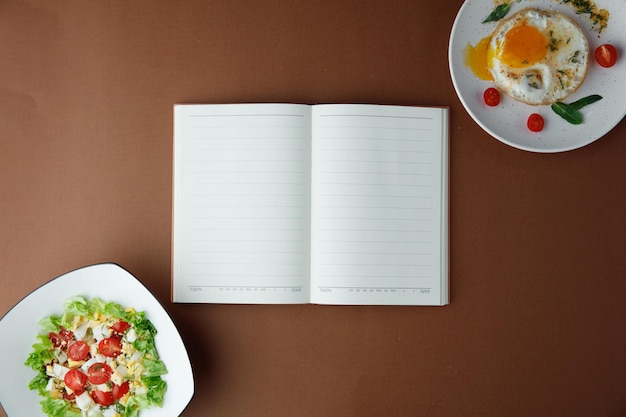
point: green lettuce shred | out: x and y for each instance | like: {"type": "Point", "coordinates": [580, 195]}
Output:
{"type": "Point", "coordinates": [56, 407]}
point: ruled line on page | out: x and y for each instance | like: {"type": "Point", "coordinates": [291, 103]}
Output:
{"type": "Point", "coordinates": [238, 115]}
{"type": "Point", "coordinates": [269, 287]}
{"type": "Point", "coordinates": [375, 288]}
{"type": "Point", "coordinates": [375, 116]}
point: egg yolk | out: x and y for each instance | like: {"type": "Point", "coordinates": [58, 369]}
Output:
{"type": "Point", "coordinates": [523, 46]}
{"type": "Point", "coordinates": [476, 58]}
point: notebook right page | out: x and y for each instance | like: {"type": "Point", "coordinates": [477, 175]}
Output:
{"type": "Point", "coordinates": [379, 205]}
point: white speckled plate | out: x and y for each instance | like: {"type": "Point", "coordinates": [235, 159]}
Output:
{"type": "Point", "coordinates": [507, 122]}
{"type": "Point", "coordinates": [111, 283]}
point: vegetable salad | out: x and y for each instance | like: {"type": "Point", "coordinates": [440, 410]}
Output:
{"type": "Point", "coordinates": [97, 359]}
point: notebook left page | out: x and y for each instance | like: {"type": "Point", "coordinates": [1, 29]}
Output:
{"type": "Point", "coordinates": [242, 187]}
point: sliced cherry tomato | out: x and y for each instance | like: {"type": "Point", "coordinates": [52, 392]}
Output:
{"type": "Point", "coordinates": [75, 379]}
{"type": "Point", "coordinates": [72, 397]}
{"type": "Point", "coordinates": [120, 390]}
{"type": "Point", "coordinates": [111, 347]}
{"type": "Point", "coordinates": [103, 397]}
{"type": "Point", "coordinates": [78, 351]}
{"type": "Point", "coordinates": [99, 373]}
{"type": "Point", "coordinates": [535, 122]}
{"type": "Point", "coordinates": [120, 327]}
{"type": "Point", "coordinates": [491, 97]}
{"type": "Point", "coordinates": [606, 55]}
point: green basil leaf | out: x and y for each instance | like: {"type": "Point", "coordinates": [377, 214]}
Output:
{"type": "Point", "coordinates": [585, 101]}
{"type": "Point", "coordinates": [568, 112]}
{"type": "Point", "coordinates": [498, 13]}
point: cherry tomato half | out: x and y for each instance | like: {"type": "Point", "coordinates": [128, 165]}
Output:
{"type": "Point", "coordinates": [120, 390]}
{"type": "Point", "coordinates": [75, 379]}
{"type": "Point", "coordinates": [103, 397]}
{"type": "Point", "coordinates": [72, 397]}
{"type": "Point", "coordinates": [120, 327]}
{"type": "Point", "coordinates": [78, 351]}
{"type": "Point", "coordinates": [99, 373]}
{"type": "Point", "coordinates": [606, 55]}
{"type": "Point", "coordinates": [491, 97]}
{"type": "Point", "coordinates": [110, 347]}
{"type": "Point", "coordinates": [535, 122]}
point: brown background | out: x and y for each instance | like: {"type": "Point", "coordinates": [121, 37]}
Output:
{"type": "Point", "coordinates": [536, 320]}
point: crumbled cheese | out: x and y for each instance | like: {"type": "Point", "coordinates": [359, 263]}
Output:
{"type": "Point", "coordinates": [74, 364]}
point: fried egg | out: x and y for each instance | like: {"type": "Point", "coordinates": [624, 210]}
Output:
{"type": "Point", "coordinates": [538, 57]}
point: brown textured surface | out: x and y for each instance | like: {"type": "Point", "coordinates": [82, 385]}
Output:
{"type": "Point", "coordinates": [537, 313]}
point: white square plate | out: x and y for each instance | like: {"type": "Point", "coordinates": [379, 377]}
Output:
{"type": "Point", "coordinates": [109, 282]}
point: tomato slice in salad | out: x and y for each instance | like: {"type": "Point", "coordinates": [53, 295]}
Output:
{"type": "Point", "coordinates": [99, 373]}
{"type": "Point", "coordinates": [110, 347]}
{"type": "Point", "coordinates": [72, 397]}
{"type": "Point", "coordinates": [120, 327]}
{"type": "Point", "coordinates": [120, 390]}
{"type": "Point", "coordinates": [78, 351]}
{"type": "Point", "coordinates": [75, 379]}
{"type": "Point", "coordinates": [103, 397]}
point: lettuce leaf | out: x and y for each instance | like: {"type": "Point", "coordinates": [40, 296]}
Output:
{"type": "Point", "coordinates": [145, 331]}
{"type": "Point", "coordinates": [51, 323]}
{"type": "Point", "coordinates": [154, 367]}
{"type": "Point", "coordinates": [136, 404]}
{"type": "Point", "coordinates": [76, 306]}
{"type": "Point", "coordinates": [39, 383]}
{"type": "Point", "coordinates": [96, 305]}
{"type": "Point", "coordinates": [156, 390]}
{"type": "Point", "coordinates": [114, 310]}
{"type": "Point", "coordinates": [58, 408]}
{"type": "Point", "coordinates": [42, 353]}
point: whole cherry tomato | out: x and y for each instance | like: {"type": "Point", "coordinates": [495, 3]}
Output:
{"type": "Point", "coordinates": [535, 122]}
{"type": "Point", "coordinates": [491, 97]}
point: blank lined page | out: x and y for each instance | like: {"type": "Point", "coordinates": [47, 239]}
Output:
{"type": "Point", "coordinates": [241, 203]}
{"type": "Point", "coordinates": [379, 217]}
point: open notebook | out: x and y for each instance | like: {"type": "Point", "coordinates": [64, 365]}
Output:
{"type": "Point", "coordinates": [324, 204]}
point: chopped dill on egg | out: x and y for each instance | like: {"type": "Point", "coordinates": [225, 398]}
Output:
{"type": "Point", "coordinates": [599, 17]}
{"type": "Point", "coordinates": [534, 80]}
{"type": "Point", "coordinates": [554, 42]}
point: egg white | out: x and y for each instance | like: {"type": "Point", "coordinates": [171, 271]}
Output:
{"type": "Point", "coordinates": [551, 79]}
